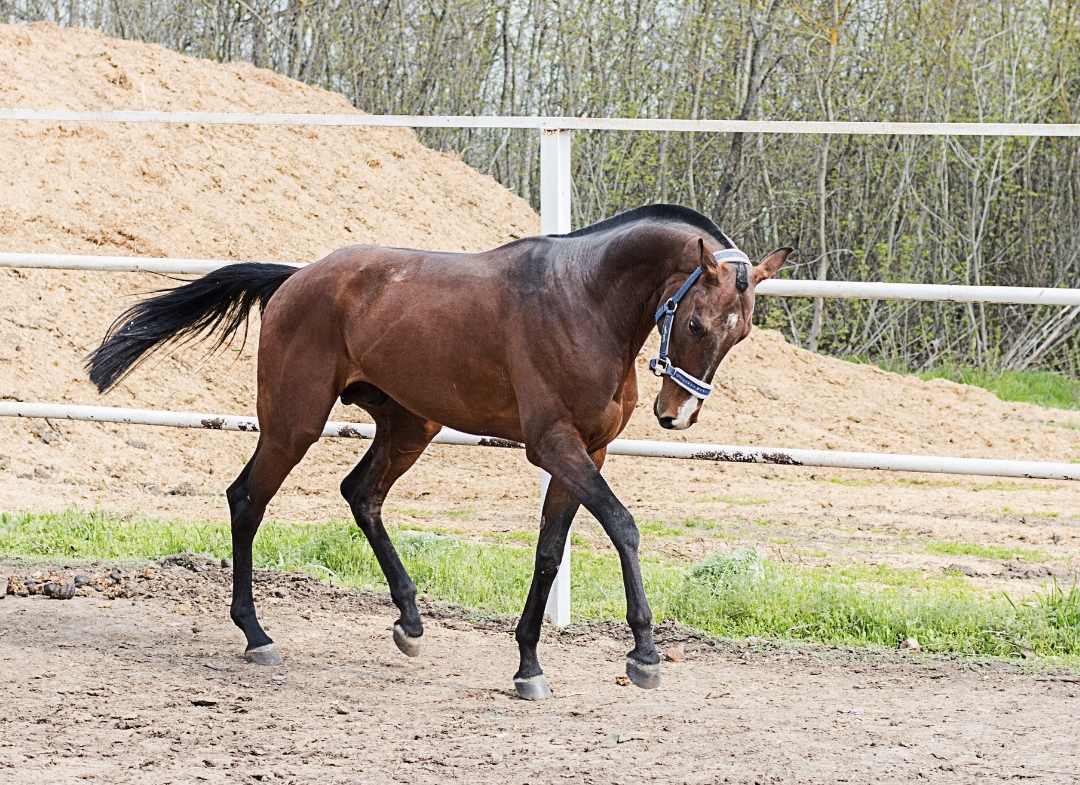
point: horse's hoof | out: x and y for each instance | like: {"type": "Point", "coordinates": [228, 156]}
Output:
{"type": "Point", "coordinates": [535, 688]}
{"type": "Point", "coordinates": [409, 646]}
{"type": "Point", "coordinates": [645, 676]}
{"type": "Point", "coordinates": [263, 655]}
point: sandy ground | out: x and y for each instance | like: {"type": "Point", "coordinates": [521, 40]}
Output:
{"type": "Point", "coordinates": [153, 689]}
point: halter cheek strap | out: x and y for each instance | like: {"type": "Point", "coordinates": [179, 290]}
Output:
{"type": "Point", "coordinates": [661, 365]}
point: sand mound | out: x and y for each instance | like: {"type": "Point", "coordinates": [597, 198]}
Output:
{"type": "Point", "coordinates": [216, 192]}
{"type": "Point", "coordinates": [288, 194]}
{"type": "Point", "coordinates": [770, 393]}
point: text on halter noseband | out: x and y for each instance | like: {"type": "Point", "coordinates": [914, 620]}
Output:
{"type": "Point", "coordinates": [661, 365]}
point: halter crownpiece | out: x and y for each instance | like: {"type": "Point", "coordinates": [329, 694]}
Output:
{"type": "Point", "coordinates": [660, 365]}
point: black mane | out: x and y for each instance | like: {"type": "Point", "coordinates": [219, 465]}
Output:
{"type": "Point", "coordinates": [673, 213]}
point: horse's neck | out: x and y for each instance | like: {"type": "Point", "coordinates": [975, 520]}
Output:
{"type": "Point", "coordinates": [629, 277]}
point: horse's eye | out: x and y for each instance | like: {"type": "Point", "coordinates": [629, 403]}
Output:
{"type": "Point", "coordinates": [695, 328]}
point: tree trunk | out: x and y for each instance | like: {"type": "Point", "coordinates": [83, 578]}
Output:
{"type": "Point", "coordinates": [755, 78]}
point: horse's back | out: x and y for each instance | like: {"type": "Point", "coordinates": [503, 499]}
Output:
{"type": "Point", "coordinates": [431, 329]}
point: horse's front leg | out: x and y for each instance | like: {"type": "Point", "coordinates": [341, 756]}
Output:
{"type": "Point", "coordinates": [557, 515]}
{"type": "Point", "coordinates": [564, 457]}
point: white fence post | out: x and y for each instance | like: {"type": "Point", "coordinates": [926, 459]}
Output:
{"type": "Point", "coordinates": [555, 219]}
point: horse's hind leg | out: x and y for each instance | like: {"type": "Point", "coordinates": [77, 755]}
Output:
{"type": "Point", "coordinates": [400, 438]}
{"type": "Point", "coordinates": [282, 445]}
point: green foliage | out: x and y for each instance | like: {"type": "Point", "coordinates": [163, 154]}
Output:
{"type": "Point", "coordinates": [739, 593]}
{"type": "Point", "coordinates": [1061, 609]}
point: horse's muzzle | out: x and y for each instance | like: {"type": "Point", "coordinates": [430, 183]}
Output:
{"type": "Point", "coordinates": [683, 417]}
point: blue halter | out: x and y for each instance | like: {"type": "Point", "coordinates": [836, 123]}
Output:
{"type": "Point", "coordinates": [660, 365]}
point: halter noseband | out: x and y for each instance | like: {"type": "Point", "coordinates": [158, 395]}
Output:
{"type": "Point", "coordinates": [661, 366]}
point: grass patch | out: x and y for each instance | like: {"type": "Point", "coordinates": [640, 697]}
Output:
{"type": "Point", "coordinates": [1043, 388]}
{"type": "Point", "coordinates": [700, 523]}
{"type": "Point", "coordinates": [527, 538]}
{"type": "Point", "coordinates": [740, 593]}
{"type": "Point", "coordinates": [1053, 390]}
{"type": "Point", "coordinates": [927, 483]}
{"type": "Point", "coordinates": [995, 552]}
{"type": "Point", "coordinates": [434, 513]}
{"type": "Point", "coordinates": [659, 528]}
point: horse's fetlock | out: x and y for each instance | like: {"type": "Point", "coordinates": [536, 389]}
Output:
{"type": "Point", "coordinates": [404, 598]}
{"type": "Point", "coordinates": [639, 620]}
{"type": "Point", "coordinates": [527, 637]}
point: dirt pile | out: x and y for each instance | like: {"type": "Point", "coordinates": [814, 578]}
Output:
{"type": "Point", "coordinates": [770, 393]}
{"type": "Point", "coordinates": [286, 194]}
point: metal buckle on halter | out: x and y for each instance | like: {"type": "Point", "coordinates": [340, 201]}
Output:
{"type": "Point", "coordinates": [659, 366]}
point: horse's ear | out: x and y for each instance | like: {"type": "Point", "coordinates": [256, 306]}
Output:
{"type": "Point", "coordinates": [707, 262]}
{"type": "Point", "coordinates": [769, 266]}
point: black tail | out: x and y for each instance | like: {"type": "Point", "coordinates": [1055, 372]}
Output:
{"type": "Point", "coordinates": [218, 302]}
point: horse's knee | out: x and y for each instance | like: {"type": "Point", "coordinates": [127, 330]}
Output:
{"type": "Point", "coordinates": [365, 508]}
{"type": "Point", "coordinates": [237, 494]}
{"type": "Point", "coordinates": [348, 488]}
{"type": "Point", "coordinates": [623, 531]}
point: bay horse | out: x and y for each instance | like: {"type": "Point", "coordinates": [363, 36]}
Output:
{"type": "Point", "coordinates": [534, 341]}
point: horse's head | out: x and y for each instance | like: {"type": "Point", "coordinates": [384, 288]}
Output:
{"type": "Point", "coordinates": [712, 315]}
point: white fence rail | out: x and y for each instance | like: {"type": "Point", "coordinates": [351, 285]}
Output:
{"type": "Point", "coordinates": [550, 123]}
{"type": "Point", "coordinates": [859, 290]}
{"type": "Point", "coordinates": [780, 456]}
{"type": "Point", "coordinates": [555, 192]}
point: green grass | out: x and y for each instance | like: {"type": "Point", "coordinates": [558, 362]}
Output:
{"type": "Point", "coordinates": [1044, 388]}
{"type": "Point", "coordinates": [1053, 390]}
{"type": "Point", "coordinates": [434, 513]}
{"type": "Point", "coordinates": [995, 552]}
{"type": "Point", "coordinates": [700, 523]}
{"type": "Point", "coordinates": [659, 528]}
{"type": "Point", "coordinates": [735, 594]}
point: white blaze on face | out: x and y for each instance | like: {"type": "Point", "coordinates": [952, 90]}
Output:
{"type": "Point", "coordinates": [686, 411]}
